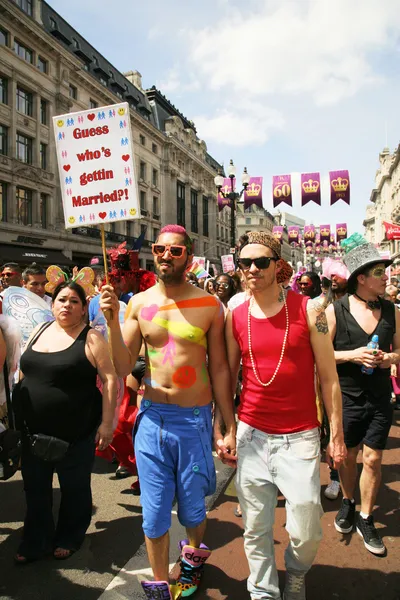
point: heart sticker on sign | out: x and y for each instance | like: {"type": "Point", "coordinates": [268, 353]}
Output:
{"type": "Point", "coordinates": [66, 167]}
{"type": "Point", "coordinates": [125, 157]}
{"type": "Point", "coordinates": [102, 215]}
{"type": "Point", "coordinates": [91, 116]}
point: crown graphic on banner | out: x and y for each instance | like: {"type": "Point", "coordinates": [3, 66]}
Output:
{"type": "Point", "coordinates": [325, 231]}
{"type": "Point", "coordinates": [311, 186]}
{"type": "Point", "coordinates": [253, 189]}
{"type": "Point", "coordinates": [340, 184]}
{"type": "Point", "coordinates": [341, 231]}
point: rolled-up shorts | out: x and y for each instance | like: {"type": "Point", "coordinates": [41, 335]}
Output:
{"type": "Point", "coordinates": [366, 420]}
{"type": "Point", "coordinates": [173, 447]}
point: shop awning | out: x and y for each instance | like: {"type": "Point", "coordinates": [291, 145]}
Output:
{"type": "Point", "coordinates": [27, 255]}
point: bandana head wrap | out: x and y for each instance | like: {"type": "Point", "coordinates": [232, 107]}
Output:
{"type": "Point", "coordinates": [263, 238]}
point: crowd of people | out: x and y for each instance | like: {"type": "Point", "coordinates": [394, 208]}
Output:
{"type": "Point", "coordinates": [293, 349]}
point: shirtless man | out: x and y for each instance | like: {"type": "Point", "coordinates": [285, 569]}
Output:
{"type": "Point", "coordinates": [181, 326]}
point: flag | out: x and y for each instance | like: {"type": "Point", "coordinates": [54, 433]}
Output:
{"type": "Point", "coordinates": [293, 234]}
{"type": "Point", "coordinates": [282, 189]}
{"type": "Point", "coordinates": [253, 192]}
{"type": "Point", "coordinates": [309, 233]}
{"type": "Point", "coordinates": [310, 188]}
{"type": "Point", "coordinates": [226, 189]}
{"type": "Point", "coordinates": [341, 232]}
{"type": "Point", "coordinates": [340, 186]}
{"type": "Point", "coordinates": [277, 231]}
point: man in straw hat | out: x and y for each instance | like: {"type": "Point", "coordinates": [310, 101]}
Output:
{"type": "Point", "coordinates": [280, 336]}
{"type": "Point", "coordinates": [367, 412]}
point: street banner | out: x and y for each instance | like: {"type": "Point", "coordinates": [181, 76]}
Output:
{"type": "Point", "coordinates": [392, 230]}
{"type": "Point", "coordinates": [226, 189]}
{"type": "Point", "coordinates": [341, 232]}
{"type": "Point", "coordinates": [310, 188]}
{"type": "Point", "coordinates": [253, 193]}
{"type": "Point", "coordinates": [340, 186]}
{"type": "Point", "coordinates": [309, 233]}
{"type": "Point", "coordinates": [200, 260]}
{"type": "Point", "coordinates": [309, 247]}
{"type": "Point", "coordinates": [317, 248]}
{"type": "Point", "coordinates": [277, 231]}
{"type": "Point", "coordinates": [293, 234]}
{"type": "Point", "coordinates": [228, 264]}
{"type": "Point", "coordinates": [325, 234]}
{"type": "Point", "coordinates": [282, 189]}
{"type": "Point", "coordinates": [96, 166]}
{"type": "Point", "coordinates": [332, 243]}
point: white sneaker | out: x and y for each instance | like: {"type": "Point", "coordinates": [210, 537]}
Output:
{"type": "Point", "coordinates": [295, 586]}
{"type": "Point", "coordinates": [332, 490]}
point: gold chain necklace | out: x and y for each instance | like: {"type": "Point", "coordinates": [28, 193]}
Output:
{"type": "Point", "coordinates": [283, 344]}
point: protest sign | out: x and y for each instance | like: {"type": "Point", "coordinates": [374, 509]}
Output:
{"type": "Point", "coordinates": [228, 263]}
{"type": "Point", "coordinates": [96, 167]}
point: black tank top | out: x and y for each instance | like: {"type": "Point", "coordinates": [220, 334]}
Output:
{"type": "Point", "coordinates": [349, 336]}
{"type": "Point", "coordinates": [58, 394]}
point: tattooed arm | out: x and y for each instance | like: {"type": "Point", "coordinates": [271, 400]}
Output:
{"type": "Point", "coordinates": [326, 368]}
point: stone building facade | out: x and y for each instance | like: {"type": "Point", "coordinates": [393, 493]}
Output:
{"type": "Point", "coordinates": [47, 68]}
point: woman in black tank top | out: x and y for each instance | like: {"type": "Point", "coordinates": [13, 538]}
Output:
{"type": "Point", "coordinates": [58, 397]}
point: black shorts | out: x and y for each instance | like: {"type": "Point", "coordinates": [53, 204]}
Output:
{"type": "Point", "coordinates": [139, 369]}
{"type": "Point", "coordinates": [366, 420]}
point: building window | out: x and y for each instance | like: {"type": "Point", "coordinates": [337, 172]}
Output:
{"type": "Point", "coordinates": [42, 64]}
{"type": "Point", "coordinates": [3, 37]}
{"type": "Point", "coordinates": [248, 221]}
{"type": "Point", "coordinates": [26, 6]}
{"type": "Point", "coordinates": [112, 227]}
{"type": "Point", "coordinates": [24, 102]}
{"type": "Point", "coordinates": [43, 111]}
{"type": "Point", "coordinates": [155, 178]}
{"type": "Point", "coordinates": [217, 231]}
{"type": "Point", "coordinates": [3, 90]}
{"type": "Point", "coordinates": [43, 156]}
{"type": "Point", "coordinates": [154, 148]}
{"type": "Point", "coordinates": [180, 204]}
{"type": "Point", "coordinates": [128, 228]}
{"type": "Point", "coordinates": [142, 139]}
{"type": "Point", "coordinates": [142, 171]}
{"type": "Point", "coordinates": [3, 202]}
{"type": "Point", "coordinates": [23, 51]}
{"type": "Point", "coordinates": [156, 233]}
{"type": "Point", "coordinates": [75, 43]}
{"type": "Point", "coordinates": [24, 148]}
{"type": "Point", "coordinates": [93, 103]}
{"type": "Point", "coordinates": [205, 216]}
{"type": "Point", "coordinates": [193, 212]}
{"type": "Point", "coordinates": [103, 81]}
{"type": "Point", "coordinates": [73, 92]}
{"type": "Point", "coordinates": [156, 207]}
{"type": "Point", "coordinates": [95, 61]}
{"type": "Point", "coordinates": [143, 202]}
{"type": "Point", "coordinates": [24, 206]}
{"type": "Point", "coordinates": [143, 230]}
{"type": "Point", "coordinates": [53, 23]}
{"type": "Point", "coordinates": [3, 140]}
{"type": "Point", "coordinates": [43, 210]}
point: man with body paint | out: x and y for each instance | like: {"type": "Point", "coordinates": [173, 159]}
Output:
{"type": "Point", "coordinates": [181, 326]}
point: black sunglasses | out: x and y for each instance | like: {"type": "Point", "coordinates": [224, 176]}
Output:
{"type": "Point", "coordinates": [262, 262]}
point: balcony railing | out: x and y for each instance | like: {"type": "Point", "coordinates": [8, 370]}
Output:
{"type": "Point", "coordinates": [109, 235]}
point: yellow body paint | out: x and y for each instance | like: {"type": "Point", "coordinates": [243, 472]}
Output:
{"type": "Point", "coordinates": [183, 330]}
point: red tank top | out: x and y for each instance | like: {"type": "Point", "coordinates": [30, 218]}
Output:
{"type": "Point", "coordinates": [288, 405]}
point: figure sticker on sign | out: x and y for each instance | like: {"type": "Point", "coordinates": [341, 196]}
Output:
{"type": "Point", "coordinates": [95, 159]}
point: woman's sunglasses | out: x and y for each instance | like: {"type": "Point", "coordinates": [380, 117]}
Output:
{"type": "Point", "coordinates": [262, 262]}
{"type": "Point", "coordinates": [222, 285]}
{"type": "Point", "coordinates": [174, 250]}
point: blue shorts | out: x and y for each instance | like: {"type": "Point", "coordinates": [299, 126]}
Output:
{"type": "Point", "coordinates": [173, 448]}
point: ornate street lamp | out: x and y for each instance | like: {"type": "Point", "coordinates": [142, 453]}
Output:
{"type": "Point", "coordinates": [232, 195]}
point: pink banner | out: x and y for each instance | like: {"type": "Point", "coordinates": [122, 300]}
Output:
{"type": "Point", "coordinates": [293, 234]}
{"type": "Point", "coordinates": [392, 230]}
{"type": "Point", "coordinates": [341, 232]}
{"type": "Point", "coordinates": [310, 188]}
{"type": "Point", "coordinates": [282, 189]}
{"type": "Point", "coordinates": [226, 189]}
{"type": "Point", "coordinates": [325, 234]}
{"type": "Point", "coordinates": [277, 231]}
{"type": "Point", "coordinates": [340, 186]}
{"type": "Point", "coordinates": [253, 193]}
{"type": "Point", "coordinates": [309, 233]}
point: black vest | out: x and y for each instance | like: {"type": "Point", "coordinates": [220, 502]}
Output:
{"type": "Point", "coordinates": [349, 336]}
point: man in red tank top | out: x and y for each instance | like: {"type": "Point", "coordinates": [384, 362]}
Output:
{"type": "Point", "coordinates": [280, 337]}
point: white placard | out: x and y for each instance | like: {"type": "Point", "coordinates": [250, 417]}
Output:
{"type": "Point", "coordinates": [200, 261]}
{"type": "Point", "coordinates": [228, 263]}
{"type": "Point", "coordinates": [96, 166]}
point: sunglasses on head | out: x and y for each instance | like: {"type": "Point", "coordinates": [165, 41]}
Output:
{"type": "Point", "coordinates": [174, 250]}
{"type": "Point", "coordinates": [262, 262]}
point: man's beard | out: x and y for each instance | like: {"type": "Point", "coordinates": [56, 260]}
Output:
{"type": "Point", "coordinates": [174, 276]}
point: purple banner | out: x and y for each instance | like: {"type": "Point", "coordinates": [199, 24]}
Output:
{"type": "Point", "coordinates": [293, 234]}
{"type": "Point", "coordinates": [309, 247]}
{"type": "Point", "coordinates": [277, 231]}
{"type": "Point", "coordinates": [309, 233]}
{"type": "Point", "coordinates": [317, 249]}
{"type": "Point", "coordinates": [325, 234]}
{"type": "Point", "coordinates": [253, 193]}
{"type": "Point", "coordinates": [340, 186]}
{"type": "Point", "coordinates": [310, 188]}
{"type": "Point", "coordinates": [282, 189]}
{"type": "Point", "coordinates": [341, 232]}
{"type": "Point", "coordinates": [226, 189]}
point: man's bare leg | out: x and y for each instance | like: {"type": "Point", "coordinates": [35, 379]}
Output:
{"type": "Point", "coordinates": [348, 473]}
{"type": "Point", "coordinates": [370, 478]}
{"type": "Point", "coordinates": [196, 534]}
{"type": "Point", "coordinates": [158, 553]}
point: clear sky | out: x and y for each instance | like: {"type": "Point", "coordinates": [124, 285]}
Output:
{"type": "Point", "coordinates": [280, 86]}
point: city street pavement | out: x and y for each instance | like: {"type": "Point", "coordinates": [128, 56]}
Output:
{"type": "Point", "coordinates": [113, 559]}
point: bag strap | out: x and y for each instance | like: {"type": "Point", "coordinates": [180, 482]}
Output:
{"type": "Point", "coordinates": [38, 334]}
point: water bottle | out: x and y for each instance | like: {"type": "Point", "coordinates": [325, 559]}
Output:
{"type": "Point", "coordinates": [372, 345]}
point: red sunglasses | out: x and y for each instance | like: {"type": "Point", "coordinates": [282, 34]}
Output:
{"type": "Point", "coordinates": [174, 250]}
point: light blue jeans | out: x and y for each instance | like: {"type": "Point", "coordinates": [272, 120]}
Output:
{"type": "Point", "coordinates": [267, 463]}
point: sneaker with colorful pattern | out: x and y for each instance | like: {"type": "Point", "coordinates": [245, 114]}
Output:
{"type": "Point", "coordinates": [160, 590]}
{"type": "Point", "coordinates": [192, 563]}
